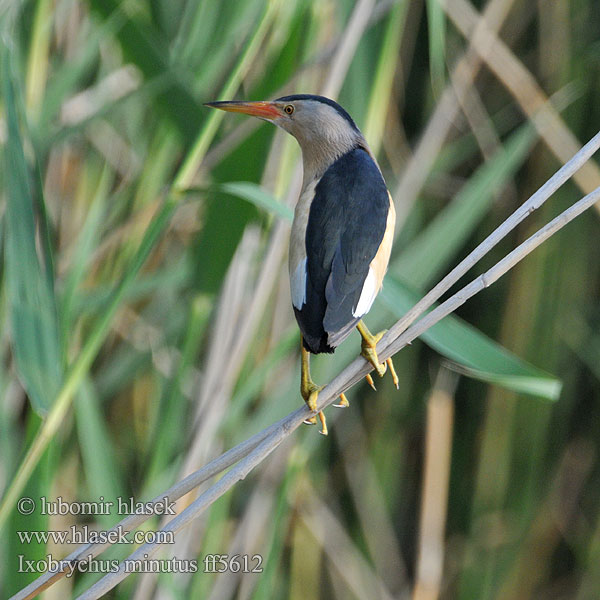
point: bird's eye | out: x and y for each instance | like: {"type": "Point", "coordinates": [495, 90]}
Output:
{"type": "Point", "coordinates": [289, 109]}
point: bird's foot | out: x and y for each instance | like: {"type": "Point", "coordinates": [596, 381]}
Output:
{"type": "Point", "coordinates": [310, 393]}
{"type": "Point", "coordinates": [369, 352]}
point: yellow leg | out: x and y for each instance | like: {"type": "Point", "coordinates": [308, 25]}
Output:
{"type": "Point", "coordinates": [310, 391]}
{"type": "Point", "coordinates": [369, 352]}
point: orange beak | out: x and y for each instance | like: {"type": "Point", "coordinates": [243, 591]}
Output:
{"type": "Point", "coordinates": [263, 110]}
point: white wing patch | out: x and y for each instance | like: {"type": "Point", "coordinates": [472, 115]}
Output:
{"type": "Point", "coordinates": [367, 296]}
{"type": "Point", "coordinates": [298, 285]}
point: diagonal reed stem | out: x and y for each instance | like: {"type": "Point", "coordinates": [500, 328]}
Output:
{"type": "Point", "coordinates": [160, 222]}
{"type": "Point", "coordinates": [253, 451]}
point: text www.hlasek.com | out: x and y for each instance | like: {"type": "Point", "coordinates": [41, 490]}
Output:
{"type": "Point", "coordinates": [85, 535]}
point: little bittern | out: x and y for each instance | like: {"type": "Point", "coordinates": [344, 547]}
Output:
{"type": "Point", "coordinates": [342, 231]}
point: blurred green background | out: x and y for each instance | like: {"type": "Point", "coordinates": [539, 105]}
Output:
{"type": "Point", "coordinates": [144, 301]}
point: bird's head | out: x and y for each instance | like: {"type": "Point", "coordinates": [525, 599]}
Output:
{"type": "Point", "coordinates": [322, 127]}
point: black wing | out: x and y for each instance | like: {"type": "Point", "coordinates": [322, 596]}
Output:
{"type": "Point", "coordinates": [345, 228]}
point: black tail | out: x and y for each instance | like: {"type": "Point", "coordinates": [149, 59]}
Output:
{"type": "Point", "coordinates": [314, 336]}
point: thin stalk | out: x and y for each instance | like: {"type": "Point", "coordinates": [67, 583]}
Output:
{"type": "Point", "coordinates": [133, 521]}
{"type": "Point", "coordinates": [519, 81]}
{"type": "Point", "coordinates": [82, 364]}
{"type": "Point", "coordinates": [196, 155]}
{"type": "Point", "coordinates": [84, 361]}
{"type": "Point", "coordinates": [391, 343]}
{"type": "Point", "coordinates": [237, 473]}
{"type": "Point", "coordinates": [530, 205]}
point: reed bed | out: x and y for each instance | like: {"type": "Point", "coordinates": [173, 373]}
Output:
{"type": "Point", "coordinates": [149, 349]}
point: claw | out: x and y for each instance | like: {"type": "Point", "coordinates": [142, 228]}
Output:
{"type": "Point", "coordinates": [370, 381]}
{"type": "Point", "coordinates": [342, 402]}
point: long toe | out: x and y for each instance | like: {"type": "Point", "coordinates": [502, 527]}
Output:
{"type": "Point", "coordinates": [321, 416]}
{"type": "Point", "coordinates": [390, 365]}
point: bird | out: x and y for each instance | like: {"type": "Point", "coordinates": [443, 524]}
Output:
{"type": "Point", "coordinates": [342, 231]}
